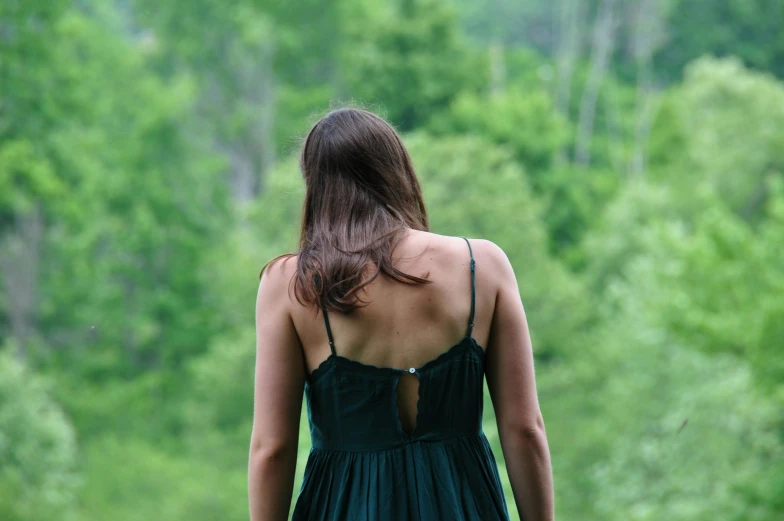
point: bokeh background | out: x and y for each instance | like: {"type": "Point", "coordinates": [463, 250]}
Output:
{"type": "Point", "coordinates": [627, 154]}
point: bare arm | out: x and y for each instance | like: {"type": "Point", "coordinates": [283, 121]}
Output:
{"type": "Point", "coordinates": [510, 378]}
{"type": "Point", "coordinates": [278, 388]}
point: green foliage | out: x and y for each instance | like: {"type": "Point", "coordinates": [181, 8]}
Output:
{"type": "Point", "coordinates": [687, 291]}
{"type": "Point", "coordinates": [129, 480]}
{"type": "Point", "coordinates": [748, 29]}
{"type": "Point", "coordinates": [38, 477]}
{"type": "Point", "coordinates": [696, 313]}
{"type": "Point", "coordinates": [508, 22]}
{"type": "Point", "coordinates": [523, 119]}
{"type": "Point", "coordinates": [706, 431]}
{"type": "Point", "coordinates": [718, 286]}
{"type": "Point", "coordinates": [221, 394]}
{"type": "Point", "coordinates": [734, 123]}
{"type": "Point", "coordinates": [136, 215]}
{"type": "Point", "coordinates": [411, 60]}
{"type": "Point", "coordinates": [616, 238]}
{"type": "Point", "coordinates": [153, 146]}
{"type": "Point", "coordinates": [25, 178]}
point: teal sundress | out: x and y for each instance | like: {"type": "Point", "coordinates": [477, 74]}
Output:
{"type": "Point", "coordinates": [364, 467]}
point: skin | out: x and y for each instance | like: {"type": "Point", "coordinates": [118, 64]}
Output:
{"type": "Point", "coordinates": [278, 389]}
{"type": "Point", "coordinates": [403, 326]}
{"type": "Point", "coordinates": [512, 385]}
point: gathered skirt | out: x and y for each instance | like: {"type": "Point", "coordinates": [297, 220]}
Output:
{"type": "Point", "coordinates": [453, 479]}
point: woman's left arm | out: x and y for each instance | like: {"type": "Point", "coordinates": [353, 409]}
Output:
{"type": "Point", "coordinates": [278, 387]}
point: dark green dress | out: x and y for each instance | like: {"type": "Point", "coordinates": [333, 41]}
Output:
{"type": "Point", "coordinates": [364, 467]}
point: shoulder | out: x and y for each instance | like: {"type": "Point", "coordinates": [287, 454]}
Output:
{"type": "Point", "coordinates": [276, 277]}
{"type": "Point", "coordinates": [488, 255]}
{"type": "Point", "coordinates": [485, 249]}
{"type": "Point", "coordinates": [491, 255]}
{"type": "Point", "coordinates": [493, 265]}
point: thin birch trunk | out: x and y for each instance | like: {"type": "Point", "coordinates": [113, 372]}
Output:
{"type": "Point", "coordinates": [567, 52]}
{"type": "Point", "coordinates": [601, 51]}
{"type": "Point", "coordinates": [497, 69]}
{"type": "Point", "coordinates": [648, 32]}
{"type": "Point", "coordinates": [20, 258]}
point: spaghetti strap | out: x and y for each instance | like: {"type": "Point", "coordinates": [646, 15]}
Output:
{"type": "Point", "coordinates": [473, 289]}
{"type": "Point", "coordinates": [329, 330]}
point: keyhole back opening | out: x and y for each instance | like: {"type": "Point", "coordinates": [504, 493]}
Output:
{"type": "Point", "coordinates": [408, 402]}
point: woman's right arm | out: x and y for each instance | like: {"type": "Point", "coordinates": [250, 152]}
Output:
{"type": "Point", "coordinates": [512, 384]}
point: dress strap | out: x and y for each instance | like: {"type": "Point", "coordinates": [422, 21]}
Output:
{"type": "Point", "coordinates": [329, 330]}
{"type": "Point", "coordinates": [473, 289]}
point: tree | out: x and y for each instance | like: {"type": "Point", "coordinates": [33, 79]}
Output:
{"type": "Point", "coordinates": [110, 203]}
{"type": "Point", "coordinates": [410, 60]}
{"type": "Point", "coordinates": [694, 296]}
{"type": "Point", "coordinates": [705, 302]}
{"type": "Point", "coordinates": [735, 122]}
{"type": "Point", "coordinates": [744, 28]}
{"type": "Point", "coordinates": [682, 426]}
{"type": "Point", "coordinates": [28, 178]}
{"type": "Point", "coordinates": [523, 120]}
{"type": "Point", "coordinates": [38, 478]}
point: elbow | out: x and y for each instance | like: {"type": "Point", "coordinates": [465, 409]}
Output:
{"type": "Point", "coordinates": [534, 430]}
{"type": "Point", "coordinates": [524, 431]}
{"type": "Point", "coordinates": [267, 454]}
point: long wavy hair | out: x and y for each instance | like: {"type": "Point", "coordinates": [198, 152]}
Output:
{"type": "Point", "coordinates": [361, 194]}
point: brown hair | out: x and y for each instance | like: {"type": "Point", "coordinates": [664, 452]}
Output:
{"type": "Point", "coordinates": [361, 194]}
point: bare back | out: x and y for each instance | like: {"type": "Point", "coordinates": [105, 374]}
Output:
{"type": "Point", "coordinates": [404, 325]}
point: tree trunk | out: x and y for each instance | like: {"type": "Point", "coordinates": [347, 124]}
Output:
{"type": "Point", "coordinates": [265, 128]}
{"type": "Point", "coordinates": [615, 137]}
{"type": "Point", "coordinates": [244, 87]}
{"type": "Point", "coordinates": [567, 51]}
{"type": "Point", "coordinates": [497, 69]}
{"type": "Point", "coordinates": [253, 154]}
{"type": "Point", "coordinates": [648, 33]}
{"type": "Point", "coordinates": [601, 51]}
{"type": "Point", "coordinates": [20, 256]}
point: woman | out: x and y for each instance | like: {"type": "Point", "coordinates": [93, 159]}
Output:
{"type": "Point", "coordinates": [361, 320]}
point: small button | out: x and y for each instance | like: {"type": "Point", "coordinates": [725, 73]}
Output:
{"type": "Point", "coordinates": [412, 370]}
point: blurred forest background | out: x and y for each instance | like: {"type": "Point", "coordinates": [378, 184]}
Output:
{"type": "Point", "coordinates": [627, 154]}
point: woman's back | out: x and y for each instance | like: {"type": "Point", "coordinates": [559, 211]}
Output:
{"type": "Point", "coordinates": [404, 326]}
{"type": "Point", "coordinates": [398, 424]}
